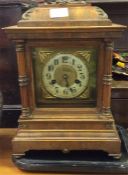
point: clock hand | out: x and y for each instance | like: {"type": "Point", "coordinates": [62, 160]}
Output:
{"type": "Point", "coordinates": [65, 76]}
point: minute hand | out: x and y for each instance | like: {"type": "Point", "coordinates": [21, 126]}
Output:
{"type": "Point", "coordinates": [66, 80]}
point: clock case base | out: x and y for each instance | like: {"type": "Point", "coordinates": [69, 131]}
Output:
{"type": "Point", "coordinates": [67, 130]}
{"type": "Point", "coordinates": [76, 161]}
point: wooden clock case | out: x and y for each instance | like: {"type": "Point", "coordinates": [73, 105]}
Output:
{"type": "Point", "coordinates": [74, 124]}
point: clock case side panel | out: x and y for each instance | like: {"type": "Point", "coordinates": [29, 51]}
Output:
{"type": "Point", "coordinates": [56, 102]}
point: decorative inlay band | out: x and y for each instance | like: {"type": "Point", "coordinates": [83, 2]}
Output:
{"type": "Point", "coordinates": [107, 79]}
{"type": "Point", "coordinates": [106, 110]}
{"type": "Point", "coordinates": [26, 112]}
{"type": "Point", "coordinates": [109, 43]}
{"type": "Point", "coordinates": [23, 80]}
{"type": "Point", "coordinates": [19, 47]}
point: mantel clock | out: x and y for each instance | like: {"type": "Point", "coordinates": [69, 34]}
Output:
{"type": "Point", "coordinates": [64, 56]}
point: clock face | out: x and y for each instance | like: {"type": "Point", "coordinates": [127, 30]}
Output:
{"type": "Point", "coordinates": [65, 76]}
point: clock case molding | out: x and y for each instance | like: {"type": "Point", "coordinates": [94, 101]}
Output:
{"type": "Point", "coordinates": [72, 126]}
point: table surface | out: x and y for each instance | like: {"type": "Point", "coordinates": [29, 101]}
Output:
{"type": "Point", "coordinates": [6, 165]}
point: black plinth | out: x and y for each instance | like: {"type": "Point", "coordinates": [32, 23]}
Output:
{"type": "Point", "coordinates": [76, 161]}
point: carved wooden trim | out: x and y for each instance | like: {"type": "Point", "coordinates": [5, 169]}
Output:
{"type": "Point", "coordinates": [107, 78]}
{"type": "Point", "coordinates": [23, 78]}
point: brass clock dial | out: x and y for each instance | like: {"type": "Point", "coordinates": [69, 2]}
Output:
{"type": "Point", "coordinates": [65, 76]}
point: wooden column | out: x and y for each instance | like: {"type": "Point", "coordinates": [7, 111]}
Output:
{"type": "Point", "coordinates": [23, 78]}
{"type": "Point", "coordinates": [107, 78]}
